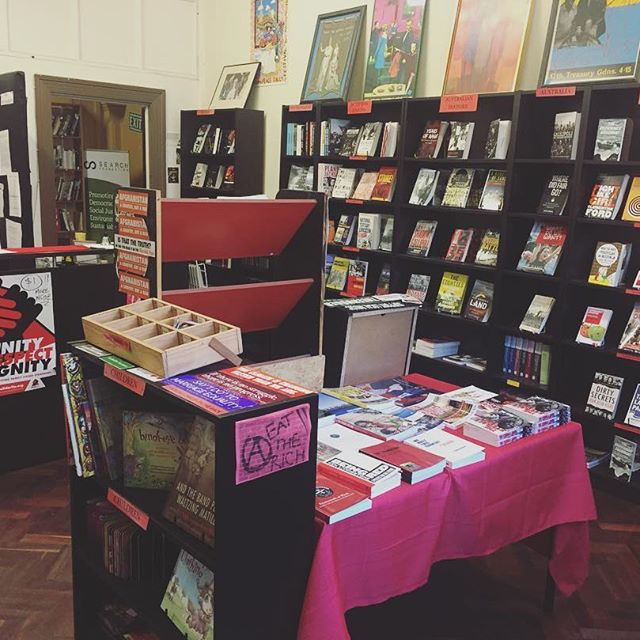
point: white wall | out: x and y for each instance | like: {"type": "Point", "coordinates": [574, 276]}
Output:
{"type": "Point", "coordinates": [230, 21]}
{"type": "Point", "coordinates": [151, 43]}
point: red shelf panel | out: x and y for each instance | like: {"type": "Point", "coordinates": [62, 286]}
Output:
{"type": "Point", "coordinates": [252, 307]}
{"type": "Point", "coordinates": [217, 229]}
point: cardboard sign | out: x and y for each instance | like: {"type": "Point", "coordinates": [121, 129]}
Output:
{"type": "Point", "coordinates": [300, 107]}
{"type": "Point", "coordinates": [271, 443]}
{"type": "Point", "coordinates": [355, 107]}
{"type": "Point", "coordinates": [125, 379]}
{"type": "Point", "coordinates": [27, 332]}
{"type": "Point", "coordinates": [555, 92]}
{"type": "Point", "coordinates": [462, 102]}
{"type": "Point", "coordinates": [627, 356]}
{"type": "Point", "coordinates": [205, 112]}
{"type": "Point", "coordinates": [135, 514]}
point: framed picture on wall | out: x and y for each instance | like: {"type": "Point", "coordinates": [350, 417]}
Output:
{"type": "Point", "coordinates": [592, 41]}
{"type": "Point", "coordinates": [234, 86]}
{"type": "Point", "coordinates": [486, 46]}
{"type": "Point", "coordinates": [332, 56]}
{"type": "Point", "coordinates": [394, 49]}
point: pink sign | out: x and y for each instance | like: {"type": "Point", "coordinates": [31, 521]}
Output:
{"type": "Point", "coordinates": [272, 442]}
{"type": "Point", "coordinates": [128, 508]}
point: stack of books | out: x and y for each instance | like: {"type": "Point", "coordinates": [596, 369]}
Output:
{"type": "Point", "coordinates": [436, 347]}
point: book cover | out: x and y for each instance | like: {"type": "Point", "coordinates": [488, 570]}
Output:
{"type": "Point", "coordinates": [631, 336]}
{"type": "Point", "coordinates": [487, 254]}
{"type": "Point", "coordinates": [368, 230]}
{"type": "Point", "coordinates": [422, 237]}
{"type": "Point", "coordinates": [460, 140]}
{"type": "Point", "coordinates": [386, 241]}
{"type": "Point", "coordinates": [606, 197]}
{"type": "Point", "coordinates": [357, 278]}
{"type": "Point", "coordinates": [418, 286]}
{"type": "Point", "coordinates": [542, 252]}
{"type": "Point", "coordinates": [336, 501]}
{"type": "Point", "coordinates": [385, 184]}
{"type": "Point", "coordinates": [537, 315]}
{"type": "Point", "coordinates": [424, 187]}
{"type": "Point", "coordinates": [555, 196]}
{"type": "Point", "coordinates": [153, 444]}
{"type": "Point", "coordinates": [477, 187]}
{"type": "Point", "coordinates": [337, 128]}
{"type": "Point", "coordinates": [480, 303]}
{"type": "Point", "coordinates": [456, 451]}
{"type": "Point", "coordinates": [389, 140]}
{"type": "Point", "coordinates": [450, 296]}
{"type": "Point", "coordinates": [344, 232]}
{"type": "Point", "coordinates": [612, 139]}
{"type": "Point", "coordinates": [384, 281]}
{"type": "Point", "coordinates": [498, 137]}
{"type": "Point", "coordinates": [632, 205]}
{"type": "Point", "coordinates": [338, 275]}
{"type": "Point", "coordinates": [191, 502]}
{"type": "Point", "coordinates": [300, 178]}
{"type": "Point", "coordinates": [188, 600]}
{"type": "Point", "coordinates": [459, 246]}
{"type": "Point", "coordinates": [493, 193]}
{"type": "Point", "coordinates": [378, 425]}
{"type": "Point", "coordinates": [633, 413]}
{"type": "Point", "coordinates": [604, 396]}
{"type": "Point", "coordinates": [201, 136]}
{"type": "Point", "coordinates": [432, 139]}
{"type": "Point", "coordinates": [327, 174]}
{"type": "Point", "coordinates": [609, 263]}
{"type": "Point", "coordinates": [625, 458]}
{"type": "Point", "coordinates": [415, 464]}
{"type": "Point", "coordinates": [369, 140]}
{"type": "Point", "coordinates": [350, 141]}
{"type": "Point", "coordinates": [366, 185]}
{"type": "Point", "coordinates": [344, 183]}
{"type": "Point", "coordinates": [458, 188]}
{"type": "Point", "coordinates": [199, 175]}
{"type": "Point", "coordinates": [494, 426]}
{"type": "Point", "coordinates": [565, 135]}
{"type": "Point", "coordinates": [594, 326]}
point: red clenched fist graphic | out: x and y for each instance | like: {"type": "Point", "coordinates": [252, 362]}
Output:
{"type": "Point", "coordinates": [17, 312]}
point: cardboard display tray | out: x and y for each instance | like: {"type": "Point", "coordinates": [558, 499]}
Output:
{"type": "Point", "coordinates": [164, 338]}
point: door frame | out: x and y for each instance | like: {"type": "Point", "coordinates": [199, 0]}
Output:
{"type": "Point", "coordinates": [50, 88]}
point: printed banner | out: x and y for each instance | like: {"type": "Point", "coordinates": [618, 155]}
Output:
{"type": "Point", "coordinates": [27, 332]}
{"type": "Point", "coordinates": [272, 442]}
{"type": "Point", "coordinates": [269, 40]}
{"type": "Point", "coordinates": [105, 172]}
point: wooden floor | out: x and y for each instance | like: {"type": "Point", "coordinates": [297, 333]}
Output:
{"type": "Point", "coordinates": [494, 598]}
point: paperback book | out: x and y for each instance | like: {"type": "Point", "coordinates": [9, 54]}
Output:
{"type": "Point", "coordinates": [632, 205]}
{"type": "Point", "coordinates": [384, 281]}
{"type": "Point", "coordinates": [432, 139]}
{"type": "Point", "coordinates": [497, 145]}
{"type": "Point", "coordinates": [613, 139]}
{"type": "Point", "coordinates": [604, 396]}
{"type": "Point", "coordinates": [630, 341]}
{"type": "Point", "coordinates": [344, 232]}
{"type": "Point", "coordinates": [385, 184]}
{"type": "Point", "coordinates": [480, 302]}
{"type": "Point", "coordinates": [450, 298]}
{"type": "Point", "coordinates": [493, 193]}
{"type": "Point", "coordinates": [349, 142]}
{"type": "Point", "coordinates": [415, 464]}
{"type": "Point", "coordinates": [327, 174]}
{"type": "Point", "coordinates": [369, 227]}
{"type": "Point", "coordinates": [458, 188]}
{"type": "Point", "coordinates": [460, 140]}
{"type": "Point", "coordinates": [456, 451]}
{"type": "Point", "coordinates": [345, 183]}
{"type": "Point", "coordinates": [418, 287]}
{"type": "Point", "coordinates": [369, 139]}
{"type": "Point", "coordinates": [422, 237]}
{"type": "Point", "coordinates": [336, 501]}
{"type": "Point", "coordinates": [536, 317]}
{"type": "Point", "coordinates": [424, 187]}
{"type": "Point", "coordinates": [459, 246]}
{"type": "Point", "coordinates": [607, 197]}
{"type": "Point", "coordinates": [565, 135]}
{"type": "Point", "coordinates": [609, 263]}
{"type": "Point", "coordinates": [487, 254]}
{"type": "Point", "coordinates": [542, 252]}
{"type": "Point", "coordinates": [555, 196]}
{"type": "Point", "coordinates": [378, 425]}
{"type": "Point", "coordinates": [338, 275]}
{"type": "Point", "coordinates": [366, 185]}
{"type": "Point", "coordinates": [386, 241]}
{"type": "Point", "coordinates": [633, 412]}
{"type": "Point", "coordinates": [594, 325]}
{"type": "Point", "coordinates": [357, 278]}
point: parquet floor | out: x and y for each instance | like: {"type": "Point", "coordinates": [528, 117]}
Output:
{"type": "Point", "coordinates": [494, 598]}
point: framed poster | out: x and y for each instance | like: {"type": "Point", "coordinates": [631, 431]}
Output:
{"type": "Point", "coordinates": [332, 56]}
{"type": "Point", "coordinates": [269, 40]}
{"type": "Point", "coordinates": [486, 46]}
{"type": "Point", "coordinates": [394, 49]}
{"type": "Point", "coordinates": [234, 86]}
{"type": "Point", "coordinates": [592, 41]}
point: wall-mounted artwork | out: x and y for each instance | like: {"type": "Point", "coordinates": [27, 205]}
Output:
{"type": "Point", "coordinates": [486, 46]}
{"type": "Point", "coordinates": [592, 41]}
{"type": "Point", "coordinates": [269, 39]}
{"type": "Point", "coordinates": [332, 56]}
{"type": "Point", "coordinates": [234, 86]}
{"type": "Point", "coordinates": [394, 49]}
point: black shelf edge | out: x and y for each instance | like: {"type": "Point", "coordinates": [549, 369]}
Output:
{"type": "Point", "coordinates": [356, 250]}
{"type": "Point", "coordinates": [451, 210]}
{"type": "Point", "coordinates": [212, 156]}
{"type": "Point", "coordinates": [432, 313]}
{"type": "Point", "coordinates": [525, 215]}
{"type": "Point", "coordinates": [358, 159]}
{"type": "Point", "coordinates": [551, 161]}
{"type": "Point", "coordinates": [452, 162]}
{"type": "Point", "coordinates": [449, 264]}
{"type": "Point", "coordinates": [523, 383]}
{"type": "Point", "coordinates": [354, 202]}
{"type": "Point", "coordinates": [623, 289]}
{"type": "Point", "coordinates": [294, 158]}
{"type": "Point", "coordinates": [545, 338]}
{"type": "Point", "coordinates": [446, 363]}
{"type": "Point", "coordinates": [603, 478]}
{"type": "Point", "coordinates": [603, 350]}
{"type": "Point", "coordinates": [533, 276]}
{"type": "Point", "coordinates": [623, 224]}
{"type": "Point", "coordinates": [612, 165]}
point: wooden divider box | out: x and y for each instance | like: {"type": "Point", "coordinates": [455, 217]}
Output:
{"type": "Point", "coordinates": [163, 338]}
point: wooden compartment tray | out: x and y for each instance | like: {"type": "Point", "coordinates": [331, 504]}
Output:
{"type": "Point", "coordinates": [164, 338]}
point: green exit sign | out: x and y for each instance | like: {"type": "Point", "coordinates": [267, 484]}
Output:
{"type": "Point", "coordinates": [135, 122]}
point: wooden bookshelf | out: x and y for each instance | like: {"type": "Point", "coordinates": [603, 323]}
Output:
{"type": "Point", "coordinates": [247, 160]}
{"type": "Point", "coordinates": [528, 167]}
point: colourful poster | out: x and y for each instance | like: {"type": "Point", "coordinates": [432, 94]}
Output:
{"type": "Point", "coordinates": [394, 48]}
{"type": "Point", "coordinates": [592, 41]}
{"type": "Point", "coordinates": [269, 40]}
{"type": "Point", "coordinates": [27, 332]}
{"type": "Point", "coordinates": [272, 442]}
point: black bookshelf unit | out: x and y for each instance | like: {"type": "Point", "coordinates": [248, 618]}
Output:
{"type": "Point", "coordinates": [247, 159]}
{"type": "Point", "coordinates": [528, 167]}
{"type": "Point", "coordinates": [263, 536]}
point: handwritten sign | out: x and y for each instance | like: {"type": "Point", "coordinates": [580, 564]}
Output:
{"type": "Point", "coordinates": [300, 107]}
{"type": "Point", "coordinates": [125, 379]}
{"type": "Point", "coordinates": [513, 383]}
{"type": "Point", "coordinates": [352, 201]}
{"type": "Point", "coordinates": [462, 102]}
{"type": "Point", "coordinates": [205, 112]}
{"type": "Point", "coordinates": [555, 92]}
{"type": "Point", "coordinates": [355, 107]}
{"type": "Point", "coordinates": [627, 356]}
{"type": "Point", "coordinates": [272, 442]}
{"type": "Point", "coordinates": [129, 509]}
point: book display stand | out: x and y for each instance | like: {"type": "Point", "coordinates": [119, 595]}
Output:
{"type": "Point", "coordinates": [529, 168]}
{"type": "Point", "coordinates": [231, 139]}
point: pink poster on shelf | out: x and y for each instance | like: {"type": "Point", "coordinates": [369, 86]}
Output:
{"type": "Point", "coordinates": [272, 442]}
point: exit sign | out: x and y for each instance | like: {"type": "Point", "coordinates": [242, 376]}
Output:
{"type": "Point", "coordinates": [135, 122]}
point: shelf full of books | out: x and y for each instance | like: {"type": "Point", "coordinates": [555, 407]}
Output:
{"type": "Point", "coordinates": [221, 153]}
{"type": "Point", "coordinates": [516, 227]}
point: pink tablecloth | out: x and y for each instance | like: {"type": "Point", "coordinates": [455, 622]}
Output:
{"type": "Point", "coordinates": [520, 490]}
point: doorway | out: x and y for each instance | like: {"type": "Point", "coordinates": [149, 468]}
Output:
{"type": "Point", "coordinates": [92, 138]}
